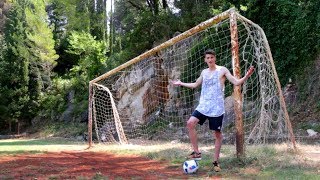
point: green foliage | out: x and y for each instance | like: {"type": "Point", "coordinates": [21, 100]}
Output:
{"type": "Point", "coordinates": [62, 129]}
{"type": "Point", "coordinates": [39, 34]}
{"type": "Point", "coordinates": [307, 125]}
{"type": "Point", "coordinates": [53, 102]}
{"type": "Point", "coordinates": [292, 29]}
{"type": "Point", "coordinates": [15, 65]}
{"type": "Point", "coordinates": [138, 29]}
{"type": "Point", "coordinates": [77, 13]}
{"type": "Point", "coordinates": [192, 13]}
{"type": "Point", "coordinates": [119, 58]}
{"type": "Point", "coordinates": [3, 93]}
{"type": "Point", "coordinates": [91, 53]}
{"type": "Point", "coordinates": [29, 58]}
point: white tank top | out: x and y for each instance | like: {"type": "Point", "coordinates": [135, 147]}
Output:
{"type": "Point", "coordinates": [212, 96]}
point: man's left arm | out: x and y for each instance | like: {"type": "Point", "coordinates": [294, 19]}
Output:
{"type": "Point", "coordinates": [235, 80]}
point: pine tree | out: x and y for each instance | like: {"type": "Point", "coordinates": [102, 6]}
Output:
{"type": "Point", "coordinates": [14, 69]}
{"type": "Point", "coordinates": [29, 59]}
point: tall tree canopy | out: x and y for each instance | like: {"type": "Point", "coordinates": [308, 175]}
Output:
{"type": "Point", "coordinates": [29, 59]}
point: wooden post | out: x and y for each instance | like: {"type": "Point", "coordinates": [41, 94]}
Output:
{"type": "Point", "coordinates": [237, 89]}
{"type": "Point", "coordinates": [90, 116]}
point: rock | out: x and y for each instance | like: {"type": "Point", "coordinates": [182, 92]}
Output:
{"type": "Point", "coordinates": [83, 117]}
{"type": "Point", "coordinates": [311, 132]}
{"type": "Point", "coordinates": [67, 115]}
{"type": "Point", "coordinates": [175, 141]}
{"type": "Point", "coordinates": [229, 112]}
{"type": "Point", "coordinates": [79, 138]}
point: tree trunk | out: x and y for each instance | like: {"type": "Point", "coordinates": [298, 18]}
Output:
{"type": "Point", "coordinates": [111, 29]}
{"type": "Point", "coordinates": [105, 20]}
{"type": "Point", "coordinates": [10, 126]}
{"type": "Point", "coordinates": [18, 127]}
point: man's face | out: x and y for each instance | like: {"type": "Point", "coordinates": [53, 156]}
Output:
{"type": "Point", "coordinates": [210, 59]}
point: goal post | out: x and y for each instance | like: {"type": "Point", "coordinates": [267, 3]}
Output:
{"type": "Point", "coordinates": [236, 89]}
{"type": "Point", "coordinates": [136, 101]}
{"type": "Point", "coordinates": [278, 84]}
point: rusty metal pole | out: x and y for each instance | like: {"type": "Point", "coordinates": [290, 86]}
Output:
{"type": "Point", "coordinates": [90, 116]}
{"type": "Point", "coordinates": [282, 101]}
{"type": "Point", "coordinates": [237, 89]}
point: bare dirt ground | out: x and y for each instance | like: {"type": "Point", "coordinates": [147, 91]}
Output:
{"type": "Point", "coordinates": [85, 165]}
{"type": "Point", "coordinates": [75, 161]}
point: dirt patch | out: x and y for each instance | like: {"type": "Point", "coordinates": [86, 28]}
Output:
{"type": "Point", "coordinates": [75, 165]}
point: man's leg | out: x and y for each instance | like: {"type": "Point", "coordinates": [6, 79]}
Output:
{"type": "Point", "coordinates": [191, 125]}
{"type": "Point", "coordinates": [217, 145]}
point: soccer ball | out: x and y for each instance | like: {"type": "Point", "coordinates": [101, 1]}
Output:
{"type": "Point", "coordinates": [190, 166]}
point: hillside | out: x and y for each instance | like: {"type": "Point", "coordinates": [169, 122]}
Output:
{"type": "Point", "coordinates": [303, 100]}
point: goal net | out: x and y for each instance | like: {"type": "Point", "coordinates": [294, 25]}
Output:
{"type": "Point", "coordinates": [137, 101]}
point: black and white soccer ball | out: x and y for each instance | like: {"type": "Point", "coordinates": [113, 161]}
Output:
{"type": "Point", "coordinates": [190, 166]}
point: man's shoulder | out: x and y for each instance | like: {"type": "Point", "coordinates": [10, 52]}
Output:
{"type": "Point", "coordinates": [204, 70]}
{"type": "Point", "coordinates": [221, 68]}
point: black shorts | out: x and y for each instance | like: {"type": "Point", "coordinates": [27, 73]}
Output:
{"type": "Point", "coordinates": [215, 123]}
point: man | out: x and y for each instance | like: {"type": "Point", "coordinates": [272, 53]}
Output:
{"type": "Point", "coordinates": [211, 104]}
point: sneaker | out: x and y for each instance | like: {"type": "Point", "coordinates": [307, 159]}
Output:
{"type": "Point", "coordinates": [195, 156]}
{"type": "Point", "coordinates": [216, 166]}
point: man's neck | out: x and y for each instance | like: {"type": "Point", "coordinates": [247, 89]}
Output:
{"type": "Point", "coordinates": [213, 67]}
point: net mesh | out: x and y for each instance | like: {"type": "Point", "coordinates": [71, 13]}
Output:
{"type": "Point", "coordinates": [138, 102]}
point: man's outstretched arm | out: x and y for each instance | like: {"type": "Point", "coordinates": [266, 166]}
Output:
{"type": "Point", "coordinates": [188, 85]}
{"type": "Point", "coordinates": [237, 81]}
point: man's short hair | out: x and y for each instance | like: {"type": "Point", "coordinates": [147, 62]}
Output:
{"type": "Point", "coordinates": [209, 51]}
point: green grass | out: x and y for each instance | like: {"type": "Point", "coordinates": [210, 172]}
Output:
{"type": "Point", "coordinates": [61, 129]}
{"type": "Point", "coordinates": [33, 146]}
{"type": "Point", "coordinates": [260, 162]}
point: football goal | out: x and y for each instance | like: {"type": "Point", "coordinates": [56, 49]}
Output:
{"type": "Point", "coordinates": [135, 101]}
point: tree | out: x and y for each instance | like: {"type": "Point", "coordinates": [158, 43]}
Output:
{"type": "Point", "coordinates": [292, 29]}
{"type": "Point", "coordinates": [28, 60]}
{"type": "Point", "coordinates": [76, 15]}
{"type": "Point", "coordinates": [138, 25]}
{"type": "Point", "coordinates": [3, 100]}
{"type": "Point", "coordinates": [91, 53]}
{"type": "Point", "coordinates": [41, 41]}
{"type": "Point", "coordinates": [15, 65]}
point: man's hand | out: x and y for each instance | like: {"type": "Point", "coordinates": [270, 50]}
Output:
{"type": "Point", "coordinates": [250, 71]}
{"type": "Point", "coordinates": [176, 83]}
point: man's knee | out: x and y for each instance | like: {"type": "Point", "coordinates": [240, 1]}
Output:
{"type": "Point", "coordinates": [191, 123]}
{"type": "Point", "coordinates": [218, 135]}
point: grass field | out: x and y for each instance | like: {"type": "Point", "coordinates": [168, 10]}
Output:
{"type": "Point", "coordinates": [261, 162]}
